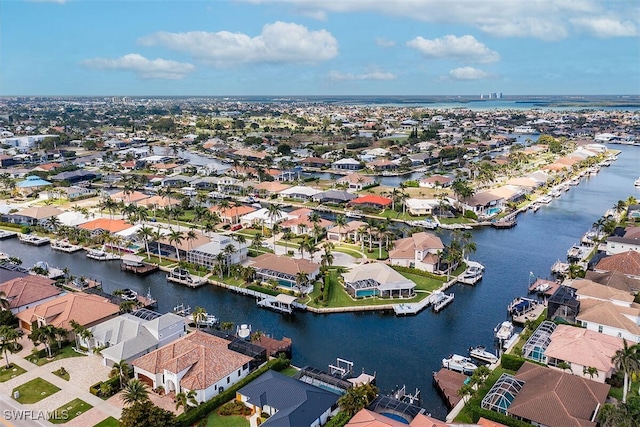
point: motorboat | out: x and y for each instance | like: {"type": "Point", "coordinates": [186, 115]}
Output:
{"type": "Point", "coordinates": [458, 363]}
{"type": "Point", "coordinates": [64, 246]}
{"type": "Point", "coordinates": [129, 295]}
{"type": "Point", "coordinates": [480, 352]}
{"type": "Point", "coordinates": [354, 214]}
{"type": "Point", "coordinates": [101, 255]}
{"type": "Point", "coordinates": [545, 199]}
{"type": "Point", "coordinates": [471, 275]}
{"type": "Point", "coordinates": [575, 253]}
{"type": "Point", "coordinates": [637, 182]}
{"type": "Point", "coordinates": [504, 330]}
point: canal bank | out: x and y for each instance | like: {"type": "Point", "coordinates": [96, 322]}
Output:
{"type": "Point", "coordinates": [401, 350]}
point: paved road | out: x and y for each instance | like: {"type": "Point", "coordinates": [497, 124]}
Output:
{"type": "Point", "coordinates": [13, 414]}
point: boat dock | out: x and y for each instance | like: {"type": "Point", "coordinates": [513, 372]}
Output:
{"type": "Point", "coordinates": [7, 234]}
{"type": "Point", "coordinates": [448, 383]}
{"type": "Point", "coordinates": [134, 264]}
{"type": "Point", "coordinates": [101, 255]}
{"type": "Point", "coordinates": [441, 300]}
{"type": "Point", "coordinates": [191, 281]}
{"type": "Point", "coordinates": [32, 239]}
{"type": "Point", "coordinates": [62, 246]}
{"type": "Point", "coordinates": [529, 315]}
{"type": "Point", "coordinates": [281, 303]}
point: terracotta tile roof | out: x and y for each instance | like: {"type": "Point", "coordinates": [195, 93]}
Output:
{"type": "Point", "coordinates": [348, 227]}
{"type": "Point", "coordinates": [609, 314]}
{"type": "Point", "coordinates": [367, 418]}
{"type": "Point", "coordinates": [589, 289]}
{"type": "Point", "coordinates": [111, 225]}
{"type": "Point", "coordinates": [26, 290]}
{"type": "Point", "coordinates": [85, 309]}
{"type": "Point", "coordinates": [158, 201]}
{"type": "Point", "coordinates": [296, 213]}
{"type": "Point", "coordinates": [557, 399]}
{"type": "Point", "coordinates": [625, 263]}
{"type": "Point", "coordinates": [371, 199]}
{"type": "Point", "coordinates": [39, 212]}
{"type": "Point", "coordinates": [232, 211]}
{"type": "Point", "coordinates": [407, 247]}
{"type": "Point", "coordinates": [356, 178]}
{"type": "Point", "coordinates": [615, 279]}
{"type": "Point", "coordinates": [583, 347]}
{"type": "Point", "coordinates": [206, 358]}
{"type": "Point", "coordinates": [304, 220]}
{"type": "Point", "coordinates": [483, 422]}
{"type": "Point", "coordinates": [284, 264]}
{"type": "Point", "coordinates": [271, 186]}
{"type": "Point", "coordinates": [131, 197]}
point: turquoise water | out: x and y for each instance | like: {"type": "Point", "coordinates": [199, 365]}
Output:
{"type": "Point", "coordinates": [366, 293]}
{"type": "Point", "coordinates": [493, 211]}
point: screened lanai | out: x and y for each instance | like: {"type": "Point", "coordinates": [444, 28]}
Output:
{"type": "Point", "coordinates": [536, 345]}
{"type": "Point", "coordinates": [502, 394]}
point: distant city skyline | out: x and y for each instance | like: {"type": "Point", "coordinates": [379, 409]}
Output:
{"type": "Point", "coordinates": [321, 48]}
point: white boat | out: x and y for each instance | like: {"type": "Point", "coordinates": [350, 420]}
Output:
{"type": "Point", "coordinates": [555, 193]}
{"type": "Point", "coordinates": [430, 224]}
{"type": "Point", "coordinates": [101, 255]}
{"type": "Point", "coordinates": [440, 300]}
{"type": "Point", "coordinates": [560, 267]}
{"type": "Point", "coordinates": [504, 330]}
{"type": "Point", "coordinates": [637, 182]}
{"type": "Point", "coordinates": [128, 295]}
{"type": "Point", "coordinates": [7, 234]}
{"type": "Point", "coordinates": [208, 320]}
{"type": "Point", "coordinates": [575, 181]}
{"type": "Point", "coordinates": [354, 214]}
{"type": "Point", "coordinates": [472, 274]}
{"type": "Point", "coordinates": [480, 352]}
{"type": "Point", "coordinates": [64, 246]}
{"type": "Point", "coordinates": [535, 207]}
{"type": "Point", "coordinates": [575, 252]}
{"type": "Point", "coordinates": [3, 256]}
{"type": "Point", "coordinates": [458, 363]}
{"type": "Point", "coordinates": [32, 239]}
{"type": "Point", "coordinates": [545, 199]}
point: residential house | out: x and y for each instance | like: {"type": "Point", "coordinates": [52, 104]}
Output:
{"type": "Point", "coordinates": [348, 232]}
{"type": "Point", "coordinates": [86, 309]}
{"type": "Point", "coordinates": [197, 362]}
{"type": "Point", "coordinates": [347, 164]}
{"type": "Point", "coordinates": [267, 189]}
{"type": "Point", "coordinates": [232, 214]}
{"type": "Point", "coordinates": [483, 203]}
{"type": "Point", "coordinates": [76, 177]}
{"type": "Point", "coordinates": [367, 418]}
{"type": "Point", "coordinates": [284, 270]}
{"type": "Point", "coordinates": [288, 402]}
{"type": "Point", "coordinates": [615, 280]}
{"type": "Point", "coordinates": [377, 279]}
{"type": "Point", "coordinates": [314, 162]}
{"type": "Point", "coordinates": [299, 222]}
{"type": "Point", "coordinates": [582, 349]}
{"type": "Point", "coordinates": [371, 201]}
{"type": "Point", "coordinates": [128, 196]}
{"type": "Point", "coordinates": [299, 192]}
{"type": "Point", "coordinates": [435, 181]}
{"type": "Point", "coordinates": [205, 254]}
{"type": "Point", "coordinates": [131, 335]}
{"type": "Point", "coordinates": [420, 250]}
{"type": "Point", "coordinates": [33, 215]}
{"type": "Point", "coordinates": [629, 241]}
{"type": "Point", "coordinates": [28, 291]}
{"type": "Point", "coordinates": [176, 181]}
{"type": "Point", "coordinates": [261, 217]}
{"type": "Point", "coordinates": [355, 182]}
{"type": "Point", "coordinates": [627, 263]}
{"type": "Point", "coordinates": [336, 197]}
{"type": "Point", "coordinates": [101, 225]}
{"type": "Point", "coordinates": [380, 165]}
{"type": "Point", "coordinates": [421, 207]}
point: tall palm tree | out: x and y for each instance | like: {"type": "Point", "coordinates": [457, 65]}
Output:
{"type": "Point", "coordinates": [8, 341]}
{"type": "Point", "coordinates": [145, 233]}
{"type": "Point", "coordinates": [121, 370]}
{"type": "Point", "coordinates": [190, 237]}
{"type": "Point", "coordinates": [326, 260]}
{"type": "Point", "coordinates": [274, 213]}
{"type": "Point", "coordinates": [301, 279]}
{"type": "Point", "coordinates": [157, 236]}
{"type": "Point", "coordinates": [4, 301]}
{"type": "Point", "coordinates": [229, 250]}
{"type": "Point", "coordinates": [199, 316]}
{"type": "Point", "coordinates": [340, 222]}
{"type": "Point", "coordinates": [135, 392]}
{"type": "Point", "coordinates": [175, 238]}
{"type": "Point", "coordinates": [627, 359]}
{"type": "Point", "coordinates": [43, 335]}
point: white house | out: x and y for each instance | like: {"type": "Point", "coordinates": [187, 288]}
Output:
{"type": "Point", "coordinates": [421, 207]}
{"type": "Point", "coordinates": [198, 361]}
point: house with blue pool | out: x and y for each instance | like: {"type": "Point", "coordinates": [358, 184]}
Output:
{"type": "Point", "coordinates": [377, 279]}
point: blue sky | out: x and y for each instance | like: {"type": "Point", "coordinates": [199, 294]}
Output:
{"type": "Point", "coordinates": [319, 47]}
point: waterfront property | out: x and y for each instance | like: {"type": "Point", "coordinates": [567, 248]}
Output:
{"type": "Point", "coordinates": [285, 270]}
{"type": "Point", "coordinates": [288, 401]}
{"type": "Point", "coordinates": [371, 201]}
{"type": "Point", "coordinates": [131, 335]}
{"type": "Point", "coordinates": [28, 291]}
{"type": "Point", "coordinates": [377, 279]}
{"type": "Point", "coordinates": [195, 362]}
{"type": "Point", "coordinates": [347, 232]}
{"type": "Point", "coordinates": [629, 240]}
{"type": "Point", "coordinates": [356, 182]}
{"type": "Point", "coordinates": [420, 251]}
{"type": "Point", "coordinates": [205, 254]}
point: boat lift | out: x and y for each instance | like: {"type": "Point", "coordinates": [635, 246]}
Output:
{"type": "Point", "coordinates": [342, 368]}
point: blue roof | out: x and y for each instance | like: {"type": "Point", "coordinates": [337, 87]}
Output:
{"type": "Point", "coordinates": [33, 181]}
{"type": "Point", "coordinates": [298, 403]}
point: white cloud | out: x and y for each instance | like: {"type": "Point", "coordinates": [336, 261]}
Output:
{"type": "Point", "coordinates": [382, 42]}
{"type": "Point", "coordinates": [606, 27]}
{"type": "Point", "coordinates": [542, 19]}
{"type": "Point", "coordinates": [468, 73]}
{"type": "Point", "coordinates": [143, 67]}
{"type": "Point", "coordinates": [374, 75]}
{"type": "Point", "coordinates": [465, 48]}
{"type": "Point", "coordinates": [278, 42]}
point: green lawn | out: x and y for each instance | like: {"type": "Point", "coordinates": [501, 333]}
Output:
{"type": "Point", "coordinates": [348, 251]}
{"type": "Point", "coordinates": [423, 283]}
{"type": "Point", "coordinates": [290, 371]}
{"type": "Point", "coordinates": [35, 390]}
{"type": "Point", "coordinates": [465, 416]}
{"type": "Point", "coordinates": [457, 220]}
{"type": "Point", "coordinates": [617, 391]}
{"type": "Point", "coordinates": [108, 422]}
{"type": "Point", "coordinates": [62, 373]}
{"type": "Point", "coordinates": [40, 358]}
{"type": "Point", "coordinates": [215, 420]}
{"type": "Point", "coordinates": [70, 410]}
{"type": "Point", "coordinates": [8, 373]}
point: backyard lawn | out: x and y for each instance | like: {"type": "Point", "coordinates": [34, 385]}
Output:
{"type": "Point", "coordinates": [424, 283]}
{"type": "Point", "coordinates": [40, 358]}
{"type": "Point", "coordinates": [215, 420]}
{"type": "Point", "coordinates": [35, 390]}
{"type": "Point", "coordinates": [13, 371]}
{"type": "Point", "coordinates": [69, 411]}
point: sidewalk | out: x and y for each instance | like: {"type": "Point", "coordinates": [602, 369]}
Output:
{"type": "Point", "coordinates": [84, 371]}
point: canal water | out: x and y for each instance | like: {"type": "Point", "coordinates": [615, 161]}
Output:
{"type": "Point", "coordinates": [399, 350]}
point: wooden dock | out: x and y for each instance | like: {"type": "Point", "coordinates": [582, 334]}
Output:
{"type": "Point", "coordinates": [448, 383]}
{"type": "Point", "coordinates": [142, 269]}
{"type": "Point", "coordinates": [530, 315]}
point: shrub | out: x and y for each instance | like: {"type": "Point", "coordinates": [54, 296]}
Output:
{"type": "Point", "coordinates": [234, 408]}
{"type": "Point", "coordinates": [470, 214]}
{"type": "Point", "coordinates": [418, 272]}
{"type": "Point", "coordinates": [510, 362]}
{"type": "Point", "coordinates": [339, 420]}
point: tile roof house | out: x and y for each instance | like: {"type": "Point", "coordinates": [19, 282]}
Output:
{"type": "Point", "coordinates": [197, 362]}
{"type": "Point", "coordinates": [556, 399]}
{"type": "Point", "coordinates": [98, 225]}
{"type": "Point", "coordinates": [609, 318]}
{"type": "Point", "coordinates": [582, 348]}
{"type": "Point", "coordinates": [284, 269]}
{"type": "Point", "coordinates": [367, 418]}
{"type": "Point", "coordinates": [134, 196]}
{"type": "Point", "coordinates": [626, 263]}
{"type": "Point", "coordinates": [356, 182]}
{"type": "Point", "coordinates": [231, 215]}
{"type": "Point", "coordinates": [419, 250]}
{"type": "Point", "coordinates": [289, 402]}
{"type": "Point", "coordinates": [131, 335]}
{"type": "Point", "coordinates": [346, 232]}
{"type": "Point", "coordinates": [28, 291]}
{"type": "Point", "coordinates": [86, 309]}
{"type": "Point", "coordinates": [299, 222]}
{"type": "Point", "coordinates": [615, 280]}
{"type": "Point", "coordinates": [33, 215]}
{"type": "Point", "coordinates": [377, 279]}
{"type": "Point", "coordinates": [629, 241]}
{"type": "Point", "coordinates": [371, 201]}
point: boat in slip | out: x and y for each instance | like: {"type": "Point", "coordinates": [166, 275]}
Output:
{"type": "Point", "coordinates": [473, 273]}
{"type": "Point", "coordinates": [64, 246]}
{"type": "Point", "coordinates": [545, 200]}
{"type": "Point", "coordinates": [637, 182]}
{"type": "Point", "coordinates": [458, 363]}
{"type": "Point", "coordinates": [504, 331]}
{"type": "Point", "coordinates": [101, 255]}
{"type": "Point", "coordinates": [480, 353]}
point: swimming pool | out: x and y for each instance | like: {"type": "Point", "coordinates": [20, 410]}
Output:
{"type": "Point", "coordinates": [492, 211]}
{"type": "Point", "coordinates": [366, 293]}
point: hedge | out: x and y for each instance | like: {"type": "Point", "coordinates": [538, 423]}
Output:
{"type": "Point", "coordinates": [417, 272]}
{"type": "Point", "coordinates": [511, 362]}
{"type": "Point", "coordinates": [113, 382]}
{"type": "Point", "coordinates": [477, 412]}
{"type": "Point", "coordinates": [338, 420]}
{"type": "Point", "coordinates": [267, 291]}
{"type": "Point", "coordinates": [190, 418]}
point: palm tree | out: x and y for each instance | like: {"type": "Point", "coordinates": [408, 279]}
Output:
{"type": "Point", "coordinates": [43, 335]}
{"type": "Point", "coordinates": [248, 274]}
{"type": "Point", "coordinates": [340, 222]}
{"type": "Point", "coordinates": [4, 301]}
{"type": "Point", "coordinates": [175, 238]}
{"type": "Point", "coordinates": [229, 250]}
{"type": "Point", "coordinates": [191, 236]}
{"type": "Point", "coordinates": [135, 392]}
{"type": "Point", "coordinates": [220, 260]}
{"type": "Point", "coordinates": [301, 279]}
{"type": "Point", "coordinates": [590, 370]}
{"type": "Point", "coordinates": [157, 236]}
{"type": "Point", "coordinates": [186, 400]}
{"type": "Point", "coordinates": [120, 370]}
{"type": "Point", "coordinates": [287, 236]}
{"type": "Point", "coordinates": [145, 233]}
{"type": "Point", "coordinates": [226, 326]}
{"type": "Point", "coordinates": [8, 341]}
{"type": "Point", "coordinates": [199, 316]}
{"type": "Point", "coordinates": [357, 398]}
{"type": "Point", "coordinates": [627, 359]}
{"type": "Point", "coordinates": [326, 260]}
{"type": "Point", "coordinates": [565, 367]}
{"type": "Point", "coordinates": [466, 391]}
{"type": "Point", "coordinates": [274, 213]}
